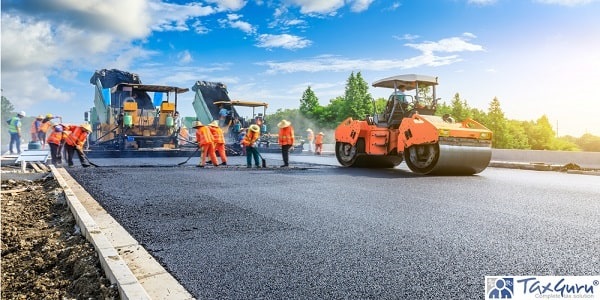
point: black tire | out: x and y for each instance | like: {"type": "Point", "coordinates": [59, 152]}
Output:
{"type": "Point", "coordinates": [422, 159]}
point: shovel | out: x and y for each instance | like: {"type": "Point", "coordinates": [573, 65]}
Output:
{"type": "Point", "coordinates": [192, 155]}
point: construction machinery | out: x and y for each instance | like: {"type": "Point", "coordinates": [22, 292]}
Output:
{"type": "Point", "coordinates": [210, 97]}
{"type": "Point", "coordinates": [131, 119]}
{"type": "Point", "coordinates": [408, 130]}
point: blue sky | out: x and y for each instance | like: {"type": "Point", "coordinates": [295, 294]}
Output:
{"type": "Point", "coordinates": [536, 56]}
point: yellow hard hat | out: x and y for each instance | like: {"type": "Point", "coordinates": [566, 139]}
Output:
{"type": "Point", "coordinates": [197, 124]}
{"type": "Point", "coordinates": [49, 116]}
{"type": "Point", "coordinates": [87, 127]}
{"type": "Point", "coordinates": [254, 128]}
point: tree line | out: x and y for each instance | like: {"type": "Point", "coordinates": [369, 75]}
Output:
{"type": "Point", "coordinates": [357, 102]}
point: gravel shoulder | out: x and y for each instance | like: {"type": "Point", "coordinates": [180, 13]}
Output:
{"type": "Point", "coordinates": [43, 254]}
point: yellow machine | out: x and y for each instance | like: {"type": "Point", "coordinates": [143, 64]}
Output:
{"type": "Point", "coordinates": [408, 130]}
{"type": "Point", "coordinates": [129, 115]}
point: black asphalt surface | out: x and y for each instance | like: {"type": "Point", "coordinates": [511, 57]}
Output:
{"type": "Point", "coordinates": [326, 232]}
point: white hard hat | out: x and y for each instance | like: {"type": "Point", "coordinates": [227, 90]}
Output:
{"type": "Point", "coordinates": [22, 113]}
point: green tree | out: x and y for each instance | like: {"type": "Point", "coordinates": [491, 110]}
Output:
{"type": "Point", "coordinates": [539, 133]}
{"type": "Point", "coordinates": [7, 113]}
{"type": "Point", "coordinates": [517, 137]}
{"type": "Point", "coordinates": [496, 122]}
{"type": "Point", "coordinates": [357, 98]}
{"type": "Point", "coordinates": [460, 108]}
{"type": "Point", "coordinates": [589, 142]}
{"type": "Point", "coordinates": [309, 103]}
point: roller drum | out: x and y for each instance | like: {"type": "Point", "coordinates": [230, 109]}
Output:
{"type": "Point", "coordinates": [448, 159]}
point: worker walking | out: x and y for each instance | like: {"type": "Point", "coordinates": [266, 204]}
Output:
{"type": "Point", "coordinates": [286, 140]}
{"type": "Point", "coordinates": [249, 142]}
{"type": "Point", "coordinates": [56, 141]}
{"type": "Point", "coordinates": [206, 143]}
{"type": "Point", "coordinates": [75, 141]}
{"type": "Point", "coordinates": [319, 143]}
{"type": "Point", "coordinates": [310, 136]}
{"type": "Point", "coordinates": [219, 140]}
{"type": "Point", "coordinates": [14, 129]}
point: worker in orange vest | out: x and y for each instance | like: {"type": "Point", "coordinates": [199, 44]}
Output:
{"type": "Point", "coordinates": [35, 127]}
{"type": "Point", "coordinates": [219, 139]}
{"type": "Point", "coordinates": [286, 140]}
{"type": "Point", "coordinates": [206, 142]}
{"type": "Point", "coordinates": [319, 143]}
{"type": "Point", "coordinates": [46, 124]}
{"type": "Point", "coordinates": [75, 141]}
{"type": "Point", "coordinates": [184, 135]}
{"type": "Point", "coordinates": [56, 141]}
{"type": "Point", "coordinates": [249, 142]}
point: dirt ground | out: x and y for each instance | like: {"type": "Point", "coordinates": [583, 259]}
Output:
{"type": "Point", "coordinates": [43, 254]}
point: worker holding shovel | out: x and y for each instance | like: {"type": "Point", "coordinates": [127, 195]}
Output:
{"type": "Point", "coordinates": [249, 142]}
{"type": "Point", "coordinates": [75, 141]}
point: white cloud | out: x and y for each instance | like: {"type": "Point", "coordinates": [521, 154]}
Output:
{"type": "Point", "coordinates": [318, 6]}
{"type": "Point", "coordinates": [360, 5]}
{"type": "Point", "coordinates": [285, 41]}
{"type": "Point", "coordinates": [566, 2]}
{"type": "Point", "coordinates": [408, 37]}
{"type": "Point", "coordinates": [184, 57]}
{"type": "Point", "coordinates": [230, 5]}
{"type": "Point", "coordinates": [233, 21]}
{"type": "Point", "coordinates": [453, 44]}
{"type": "Point", "coordinates": [338, 64]}
{"type": "Point", "coordinates": [481, 2]}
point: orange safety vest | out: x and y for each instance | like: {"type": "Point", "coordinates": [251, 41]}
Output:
{"type": "Point", "coordinates": [250, 138]}
{"type": "Point", "coordinates": [45, 126]}
{"type": "Point", "coordinates": [55, 137]}
{"type": "Point", "coordinates": [184, 135]}
{"type": "Point", "coordinates": [217, 134]}
{"type": "Point", "coordinates": [203, 136]}
{"type": "Point", "coordinates": [77, 137]}
{"type": "Point", "coordinates": [319, 139]}
{"type": "Point", "coordinates": [286, 135]}
{"type": "Point", "coordinates": [34, 127]}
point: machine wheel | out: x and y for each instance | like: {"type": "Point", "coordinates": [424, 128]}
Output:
{"type": "Point", "coordinates": [346, 154]}
{"type": "Point", "coordinates": [422, 158]}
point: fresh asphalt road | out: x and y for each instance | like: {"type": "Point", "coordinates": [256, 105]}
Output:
{"type": "Point", "coordinates": [325, 232]}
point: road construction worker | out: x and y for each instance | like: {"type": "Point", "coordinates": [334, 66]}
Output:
{"type": "Point", "coordinates": [35, 127]}
{"type": "Point", "coordinates": [14, 129]}
{"type": "Point", "coordinates": [75, 141]}
{"type": "Point", "coordinates": [206, 143]}
{"type": "Point", "coordinates": [249, 142]}
{"type": "Point", "coordinates": [56, 140]}
{"type": "Point", "coordinates": [319, 143]}
{"type": "Point", "coordinates": [286, 140]}
{"type": "Point", "coordinates": [184, 135]}
{"type": "Point", "coordinates": [46, 124]}
{"type": "Point", "coordinates": [219, 140]}
{"type": "Point", "coordinates": [310, 137]}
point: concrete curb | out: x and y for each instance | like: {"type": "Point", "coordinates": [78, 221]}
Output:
{"type": "Point", "coordinates": [125, 262]}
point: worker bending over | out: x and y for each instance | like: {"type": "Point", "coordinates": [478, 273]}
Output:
{"type": "Point", "coordinates": [219, 140]}
{"type": "Point", "coordinates": [206, 143]}
{"type": "Point", "coordinates": [249, 143]}
{"type": "Point", "coordinates": [75, 142]}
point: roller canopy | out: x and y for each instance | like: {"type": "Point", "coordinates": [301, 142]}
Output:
{"type": "Point", "coordinates": [406, 82]}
